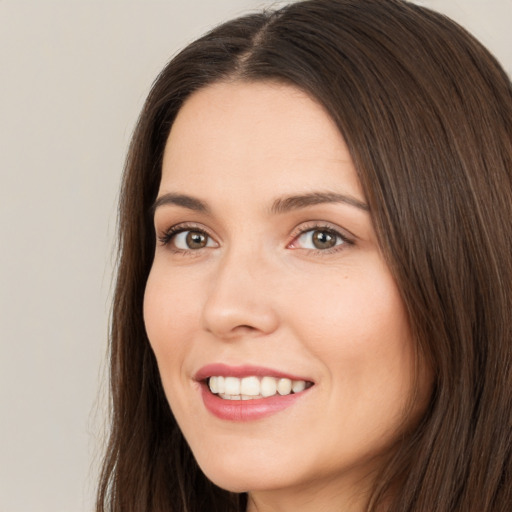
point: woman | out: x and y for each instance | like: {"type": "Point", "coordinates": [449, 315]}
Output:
{"type": "Point", "coordinates": [313, 302]}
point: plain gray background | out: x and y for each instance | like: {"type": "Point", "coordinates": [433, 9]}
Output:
{"type": "Point", "coordinates": [74, 75]}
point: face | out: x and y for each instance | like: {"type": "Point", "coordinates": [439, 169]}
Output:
{"type": "Point", "coordinates": [268, 287]}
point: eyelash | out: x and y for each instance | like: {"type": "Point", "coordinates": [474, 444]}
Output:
{"type": "Point", "coordinates": [325, 227]}
{"type": "Point", "coordinates": [166, 238]}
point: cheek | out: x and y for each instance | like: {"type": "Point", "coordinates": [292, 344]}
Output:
{"type": "Point", "coordinates": [360, 315]}
{"type": "Point", "coordinates": [164, 325]}
{"type": "Point", "coordinates": [360, 332]}
{"type": "Point", "coordinates": [156, 314]}
{"type": "Point", "coordinates": [169, 312]}
{"type": "Point", "coordinates": [168, 321]}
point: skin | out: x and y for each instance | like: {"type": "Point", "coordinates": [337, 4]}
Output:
{"type": "Point", "coordinates": [261, 293]}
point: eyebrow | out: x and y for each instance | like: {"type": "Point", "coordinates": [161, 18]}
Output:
{"type": "Point", "coordinates": [189, 202]}
{"type": "Point", "coordinates": [280, 205]}
{"type": "Point", "coordinates": [286, 204]}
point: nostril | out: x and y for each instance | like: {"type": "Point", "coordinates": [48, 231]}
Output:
{"type": "Point", "coordinates": [245, 328]}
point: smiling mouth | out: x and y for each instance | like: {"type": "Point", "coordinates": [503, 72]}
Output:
{"type": "Point", "coordinates": [253, 387]}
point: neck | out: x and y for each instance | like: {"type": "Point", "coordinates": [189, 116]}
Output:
{"type": "Point", "coordinates": [314, 497]}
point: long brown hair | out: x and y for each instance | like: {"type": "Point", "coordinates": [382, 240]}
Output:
{"type": "Point", "coordinates": [426, 113]}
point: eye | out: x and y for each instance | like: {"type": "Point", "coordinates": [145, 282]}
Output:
{"type": "Point", "coordinates": [191, 240]}
{"type": "Point", "coordinates": [319, 239]}
{"type": "Point", "coordinates": [183, 239]}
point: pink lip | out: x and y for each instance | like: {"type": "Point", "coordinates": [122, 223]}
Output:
{"type": "Point", "coordinates": [219, 369]}
{"type": "Point", "coordinates": [245, 410]}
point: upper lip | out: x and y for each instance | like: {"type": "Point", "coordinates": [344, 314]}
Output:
{"type": "Point", "coordinates": [220, 369]}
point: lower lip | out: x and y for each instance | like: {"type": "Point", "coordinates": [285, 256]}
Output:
{"type": "Point", "coordinates": [247, 410]}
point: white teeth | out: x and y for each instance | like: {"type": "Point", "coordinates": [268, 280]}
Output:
{"type": "Point", "coordinates": [229, 397]}
{"type": "Point", "coordinates": [284, 386]}
{"type": "Point", "coordinates": [268, 386]}
{"type": "Point", "coordinates": [221, 387]}
{"type": "Point", "coordinates": [232, 386]}
{"type": "Point", "coordinates": [213, 383]}
{"type": "Point", "coordinates": [298, 386]}
{"type": "Point", "coordinates": [248, 388]}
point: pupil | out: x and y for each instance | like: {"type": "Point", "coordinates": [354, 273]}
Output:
{"type": "Point", "coordinates": [323, 240]}
{"type": "Point", "coordinates": [196, 240]}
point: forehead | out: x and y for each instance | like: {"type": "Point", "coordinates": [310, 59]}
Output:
{"type": "Point", "coordinates": [252, 135]}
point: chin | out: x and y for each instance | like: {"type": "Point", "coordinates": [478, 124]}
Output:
{"type": "Point", "coordinates": [237, 481]}
{"type": "Point", "coordinates": [236, 473]}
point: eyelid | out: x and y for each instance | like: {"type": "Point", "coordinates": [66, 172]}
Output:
{"type": "Point", "coordinates": [347, 237]}
{"type": "Point", "coordinates": [168, 234]}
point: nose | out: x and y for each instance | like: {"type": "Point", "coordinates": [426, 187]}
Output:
{"type": "Point", "coordinates": [239, 300]}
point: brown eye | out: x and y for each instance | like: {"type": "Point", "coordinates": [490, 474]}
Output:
{"type": "Point", "coordinates": [196, 240]}
{"type": "Point", "coordinates": [189, 240]}
{"type": "Point", "coordinates": [319, 239]}
{"type": "Point", "coordinates": [323, 239]}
